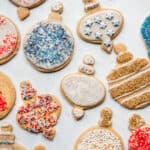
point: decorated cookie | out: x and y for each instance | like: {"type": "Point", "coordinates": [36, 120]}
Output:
{"type": "Point", "coordinates": [49, 45]}
{"type": "Point", "coordinates": [7, 95]}
{"type": "Point", "coordinates": [139, 138]}
{"type": "Point", "coordinates": [7, 138]}
{"type": "Point", "coordinates": [99, 25]}
{"type": "Point", "coordinates": [82, 89]}
{"type": "Point", "coordinates": [101, 136]}
{"type": "Point", "coordinates": [145, 30]}
{"type": "Point", "coordinates": [24, 6]}
{"type": "Point", "coordinates": [9, 39]}
{"type": "Point", "coordinates": [39, 113]}
{"type": "Point", "coordinates": [129, 81]}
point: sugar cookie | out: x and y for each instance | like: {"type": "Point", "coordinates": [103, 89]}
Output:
{"type": "Point", "coordinates": [82, 89]}
{"type": "Point", "coordinates": [100, 137]}
{"type": "Point", "coordinates": [9, 39]}
{"type": "Point", "coordinates": [39, 147]}
{"type": "Point", "coordinates": [24, 5]}
{"type": "Point", "coordinates": [7, 95]}
{"type": "Point", "coordinates": [145, 31]}
{"type": "Point", "coordinates": [7, 138]}
{"type": "Point", "coordinates": [139, 138]}
{"type": "Point", "coordinates": [99, 25]}
{"type": "Point", "coordinates": [39, 113]}
{"type": "Point", "coordinates": [49, 45]}
{"type": "Point", "coordinates": [129, 81]}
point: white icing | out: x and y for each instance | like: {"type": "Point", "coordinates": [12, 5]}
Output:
{"type": "Point", "coordinates": [89, 70]}
{"type": "Point", "coordinates": [57, 6]}
{"type": "Point", "coordinates": [78, 112]}
{"type": "Point", "coordinates": [88, 60]}
{"type": "Point", "coordinates": [83, 90]}
{"type": "Point", "coordinates": [99, 139]}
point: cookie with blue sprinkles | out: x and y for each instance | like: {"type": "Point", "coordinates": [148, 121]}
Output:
{"type": "Point", "coordinates": [49, 45]}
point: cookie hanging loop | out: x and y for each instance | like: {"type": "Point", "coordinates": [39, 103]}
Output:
{"type": "Point", "coordinates": [56, 11]}
{"type": "Point", "coordinates": [119, 47]}
{"type": "Point", "coordinates": [106, 116]}
{"type": "Point", "coordinates": [135, 122]}
{"type": "Point", "coordinates": [91, 4]}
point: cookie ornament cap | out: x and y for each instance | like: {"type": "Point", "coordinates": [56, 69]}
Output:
{"type": "Point", "coordinates": [139, 138]}
{"type": "Point", "coordinates": [145, 31]}
{"type": "Point", "coordinates": [49, 45]}
{"type": "Point", "coordinates": [7, 138]}
{"type": "Point", "coordinates": [24, 7]}
{"type": "Point", "coordinates": [39, 113]}
{"type": "Point", "coordinates": [99, 25]}
{"type": "Point", "coordinates": [129, 81]}
{"type": "Point", "coordinates": [82, 89]}
{"type": "Point", "coordinates": [101, 136]}
{"type": "Point", "coordinates": [9, 39]}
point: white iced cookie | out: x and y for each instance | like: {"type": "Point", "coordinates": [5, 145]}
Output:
{"type": "Point", "coordinates": [100, 137]}
{"type": "Point", "coordinates": [78, 112]}
{"type": "Point", "coordinates": [82, 89]}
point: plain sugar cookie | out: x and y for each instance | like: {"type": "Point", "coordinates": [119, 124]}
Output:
{"type": "Point", "coordinates": [9, 39]}
{"type": "Point", "coordinates": [7, 95]}
{"type": "Point", "coordinates": [129, 81]}
{"type": "Point", "coordinates": [39, 113]}
{"type": "Point", "coordinates": [100, 137]}
{"type": "Point", "coordinates": [49, 45]}
{"type": "Point", "coordinates": [99, 25]}
{"type": "Point", "coordinates": [82, 89]}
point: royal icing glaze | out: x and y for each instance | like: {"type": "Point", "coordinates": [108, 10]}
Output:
{"type": "Point", "coordinates": [3, 102]}
{"type": "Point", "coordinates": [145, 31]}
{"type": "Point", "coordinates": [8, 38]}
{"type": "Point", "coordinates": [100, 26]}
{"type": "Point", "coordinates": [40, 112]}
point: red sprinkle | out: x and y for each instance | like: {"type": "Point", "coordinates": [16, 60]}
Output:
{"type": "Point", "coordinates": [3, 103]}
{"type": "Point", "coordinates": [140, 139]}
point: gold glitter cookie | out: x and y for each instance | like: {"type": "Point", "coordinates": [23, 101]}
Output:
{"type": "Point", "coordinates": [7, 138]}
{"type": "Point", "coordinates": [101, 136]}
{"type": "Point", "coordinates": [82, 89]}
{"type": "Point", "coordinates": [129, 81]}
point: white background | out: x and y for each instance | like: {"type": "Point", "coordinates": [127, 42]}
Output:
{"type": "Point", "coordinates": [19, 69]}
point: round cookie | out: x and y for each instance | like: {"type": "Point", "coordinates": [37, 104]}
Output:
{"type": "Point", "coordinates": [82, 89]}
{"type": "Point", "coordinates": [39, 113]}
{"type": "Point", "coordinates": [7, 138]}
{"type": "Point", "coordinates": [49, 45]}
{"type": "Point", "coordinates": [100, 137]}
{"type": "Point", "coordinates": [99, 25]}
{"type": "Point", "coordinates": [139, 138]}
{"type": "Point", "coordinates": [129, 81]}
{"type": "Point", "coordinates": [7, 95]}
{"type": "Point", "coordinates": [9, 39]}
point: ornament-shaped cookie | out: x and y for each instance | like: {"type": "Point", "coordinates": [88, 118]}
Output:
{"type": "Point", "coordinates": [9, 39]}
{"type": "Point", "coordinates": [24, 6]}
{"type": "Point", "coordinates": [7, 138]}
{"type": "Point", "coordinates": [101, 136]}
{"type": "Point", "coordinates": [129, 81]}
{"type": "Point", "coordinates": [39, 113]}
{"type": "Point", "coordinates": [49, 45]}
{"type": "Point", "coordinates": [82, 89]}
{"type": "Point", "coordinates": [7, 95]}
{"type": "Point", "coordinates": [139, 138]}
{"type": "Point", "coordinates": [145, 31]}
{"type": "Point", "coordinates": [99, 25]}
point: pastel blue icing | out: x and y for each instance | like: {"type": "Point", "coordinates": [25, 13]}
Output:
{"type": "Point", "coordinates": [145, 30]}
{"type": "Point", "coordinates": [49, 45]}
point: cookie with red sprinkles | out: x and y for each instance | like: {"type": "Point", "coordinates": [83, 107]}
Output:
{"type": "Point", "coordinates": [140, 137]}
{"type": "Point", "coordinates": [9, 39]}
{"type": "Point", "coordinates": [39, 113]}
{"type": "Point", "coordinates": [7, 95]}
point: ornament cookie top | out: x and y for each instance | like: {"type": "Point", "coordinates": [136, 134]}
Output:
{"type": "Point", "coordinates": [39, 113]}
{"type": "Point", "coordinates": [139, 138]}
{"type": "Point", "coordinates": [49, 45]}
{"type": "Point", "coordinates": [7, 138]}
{"type": "Point", "coordinates": [145, 31]}
{"type": "Point", "coordinates": [9, 39]}
{"type": "Point", "coordinates": [101, 136]}
{"type": "Point", "coordinates": [25, 5]}
{"type": "Point", "coordinates": [99, 25]}
{"type": "Point", "coordinates": [129, 81]}
{"type": "Point", "coordinates": [82, 89]}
